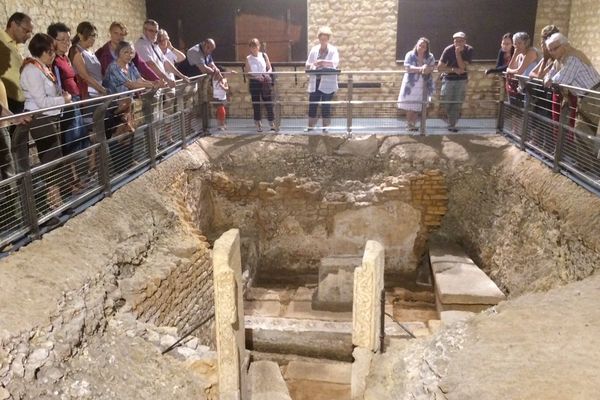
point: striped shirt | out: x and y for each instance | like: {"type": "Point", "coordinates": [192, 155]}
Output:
{"type": "Point", "coordinates": [574, 72]}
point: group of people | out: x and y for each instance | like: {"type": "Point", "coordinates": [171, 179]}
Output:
{"type": "Point", "coordinates": [558, 63]}
{"type": "Point", "coordinates": [63, 68]}
{"type": "Point", "coordinates": [418, 85]}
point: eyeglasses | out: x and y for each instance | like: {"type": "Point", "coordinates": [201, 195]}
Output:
{"type": "Point", "coordinates": [152, 30]}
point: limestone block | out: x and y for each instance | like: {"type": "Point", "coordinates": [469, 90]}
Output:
{"type": "Point", "coordinates": [339, 373]}
{"type": "Point", "coordinates": [266, 382]}
{"type": "Point", "coordinates": [336, 283]}
{"type": "Point", "coordinates": [450, 317]}
{"type": "Point", "coordinates": [229, 316]}
{"type": "Point", "coordinates": [366, 310]}
{"type": "Point", "coordinates": [458, 280]}
{"type": "Point", "coordinates": [360, 371]}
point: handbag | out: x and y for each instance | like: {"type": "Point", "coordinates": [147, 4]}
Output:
{"type": "Point", "coordinates": [266, 88]}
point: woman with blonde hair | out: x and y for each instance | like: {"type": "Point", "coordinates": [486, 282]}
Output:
{"type": "Point", "coordinates": [322, 57]}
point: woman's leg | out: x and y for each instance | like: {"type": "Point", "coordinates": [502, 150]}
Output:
{"type": "Point", "coordinates": [326, 108]}
{"type": "Point", "coordinates": [313, 99]}
{"type": "Point", "coordinates": [255, 91]}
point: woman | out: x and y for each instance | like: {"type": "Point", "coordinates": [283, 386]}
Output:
{"type": "Point", "coordinates": [523, 62]}
{"type": "Point", "coordinates": [259, 83]}
{"type": "Point", "coordinates": [321, 88]}
{"type": "Point", "coordinates": [419, 64]}
{"type": "Point", "coordinates": [505, 54]}
{"type": "Point", "coordinates": [41, 91]}
{"type": "Point", "coordinates": [73, 135]}
{"type": "Point", "coordinates": [87, 65]}
{"type": "Point", "coordinates": [121, 76]}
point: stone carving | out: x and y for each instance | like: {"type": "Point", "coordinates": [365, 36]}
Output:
{"type": "Point", "coordinates": [368, 284]}
{"type": "Point", "coordinates": [229, 316]}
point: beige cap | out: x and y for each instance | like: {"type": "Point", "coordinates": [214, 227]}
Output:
{"type": "Point", "coordinates": [459, 35]}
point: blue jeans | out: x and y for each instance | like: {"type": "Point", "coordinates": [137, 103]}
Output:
{"type": "Point", "coordinates": [453, 92]}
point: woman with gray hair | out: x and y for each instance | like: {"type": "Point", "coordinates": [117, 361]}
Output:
{"type": "Point", "coordinates": [523, 62]}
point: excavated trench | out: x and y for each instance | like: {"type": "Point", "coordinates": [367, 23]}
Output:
{"type": "Point", "coordinates": [302, 204]}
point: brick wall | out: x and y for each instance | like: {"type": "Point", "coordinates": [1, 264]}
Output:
{"type": "Point", "coordinates": [584, 30]}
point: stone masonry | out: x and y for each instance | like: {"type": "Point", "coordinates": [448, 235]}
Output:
{"type": "Point", "coordinates": [44, 12]}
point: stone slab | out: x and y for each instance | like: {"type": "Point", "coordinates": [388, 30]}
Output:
{"type": "Point", "coordinates": [262, 308]}
{"type": "Point", "coordinates": [321, 372]}
{"type": "Point", "coordinates": [336, 283]}
{"type": "Point", "coordinates": [458, 280]}
{"type": "Point", "coordinates": [360, 370]}
{"type": "Point", "coordinates": [266, 382]}
{"type": "Point", "coordinates": [474, 308]}
{"type": "Point", "coordinates": [450, 317]}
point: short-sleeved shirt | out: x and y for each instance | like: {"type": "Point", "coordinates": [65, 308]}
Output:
{"type": "Point", "coordinates": [11, 77]}
{"type": "Point", "coordinates": [148, 51]}
{"type": "Point", "coordinates": [449, 58]}
{"type": "Point", "coordinates": [196, 56]}
{"type": "Point", "coordinates": [115, 78]}
{"type": "Point", "coordinates": [64, 71]}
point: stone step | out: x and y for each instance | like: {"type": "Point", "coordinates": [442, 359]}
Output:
{"type": "Point", "coordinates": [266, 382]}
{"type": "Point", "coordinates": [459, 283]}
{"type": "Point", "coordinates": [313, 338]}
{"type": "Point", "coordinates": [329, 372]}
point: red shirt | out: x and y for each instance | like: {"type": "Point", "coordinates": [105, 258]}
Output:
{"type": "Point", "coordinates": [67, 74]}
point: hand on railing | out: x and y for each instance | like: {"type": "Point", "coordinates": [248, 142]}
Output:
{"type": "Point", "coordinates": [66, 96]}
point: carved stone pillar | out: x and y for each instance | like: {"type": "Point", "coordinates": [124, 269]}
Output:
{"type": "Point", "coordinates": [229, 315]}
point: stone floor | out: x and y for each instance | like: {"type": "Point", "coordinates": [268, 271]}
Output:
{"type": "Point", "coordinates": [277, 307]}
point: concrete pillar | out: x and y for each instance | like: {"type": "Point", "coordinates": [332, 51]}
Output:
{"type": "Point", "coordinates": [229, 315]}
{"type": "Point", "coordinates": [366, 314]}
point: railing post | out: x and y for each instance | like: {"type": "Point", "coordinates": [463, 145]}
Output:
{"type": "Point", "coordinates": [424, 102]}
{"type": "Point", "coordinates": [28, 202]}
{"type": "Point", "coordinates": [560, 139]}
{"type": "Point", "coordinates": [382, 322]}
{"type": "Point", "coordinates": [526, 109]}
{"type": "Point", "coordinates": [148, 108]}
{"type": "Point", "coordinates": [349, 111]}
{"type": "Point", "coordinates": [103, 150]}
{"type": "Point", "coordinates": [501, 99]}
{"type": "Point", "coordinates": [180, 108]}
{"type": "Point", "coordinates": [204, 102]}
{"type": "Point", "coordinates": [276, 103]}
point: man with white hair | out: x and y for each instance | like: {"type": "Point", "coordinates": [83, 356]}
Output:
{"type": "Point", "coordinates": [453, 66]}
{"type": "Point", "coordinates": [572, 67]}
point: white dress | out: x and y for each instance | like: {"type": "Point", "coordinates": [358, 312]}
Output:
{"type": "Point", "coordinates": [416, 94]}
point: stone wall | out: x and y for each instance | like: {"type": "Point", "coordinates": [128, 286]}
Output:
{"type": "Point", "coordinates": [584, 31]}
{"type": "Point", "coordinates": [137, 250]}
{"type": "Point", "coordinates": [43, 12]}
{"type": "Point", "coordinates": [329, 205]}
{"type": "Point", "coordinates": [528, 228]}
{"type": "Point", "coordinates": [552, 12]}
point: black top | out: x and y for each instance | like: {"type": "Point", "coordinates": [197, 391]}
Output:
{"type": "Point", "coordinates": [449, 58]}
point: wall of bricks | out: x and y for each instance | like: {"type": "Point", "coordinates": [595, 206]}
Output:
{"type": "Point", "coordinates": [294, 219]}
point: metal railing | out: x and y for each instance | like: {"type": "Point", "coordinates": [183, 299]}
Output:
{"type": "Point", "coordinates": [366, 102]}
{"type": "Point", "coordinates": [46, 190]}
{"type": "Point", "coordinates": [557, 124]}
{"type": "Point", "coordinates": [50, 177]}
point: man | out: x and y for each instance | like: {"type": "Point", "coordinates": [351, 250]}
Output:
{"type": "Point", "coordinates": [453, 66]}
{"type": "Point", "coordinates": [200, 56]}
{"type": "Point", "coordinates": [106, 54]}
{"type": "Point", "coordinates": [18, 31]}
{"type": "Point", "coordinates": [151, 54]}
{"type": "Point", "coordinates": [572, 67]}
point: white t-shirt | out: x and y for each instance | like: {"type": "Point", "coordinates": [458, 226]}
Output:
{"type": "Point", "coordinates": [148, 51]}
{"type": "Point", "coordinates": [218, 92]}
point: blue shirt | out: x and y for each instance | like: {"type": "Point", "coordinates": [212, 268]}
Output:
{"type": "Point", "coordinates": [115, 78]}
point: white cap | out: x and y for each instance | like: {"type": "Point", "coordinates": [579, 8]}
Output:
{"type": "Point", "coordinates": [459, 35]}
